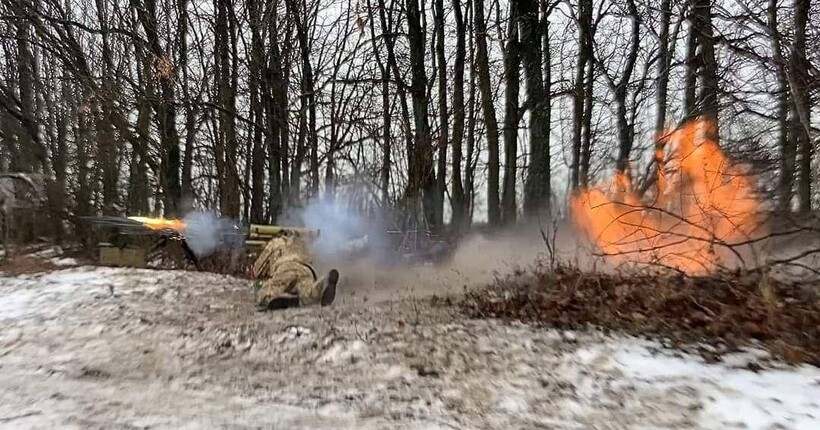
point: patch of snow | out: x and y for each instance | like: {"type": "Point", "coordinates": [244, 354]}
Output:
{"type": "Point", "coordinates": [343, 351]}
{"type": "Point", "coordinates": [732, 397]}
{"type": "Point", "coordinates": [64, 262]}
{"type": "Point", "coordinates": [51, 252]}
{"type": "Point", "coordinates": [513, 403]}
{"type": "Point", "coordinates": [47, 294]}
{"type": "Point", "coordinates": [15, 304]}
{"type": "Point", "coordinates": [168, 363]}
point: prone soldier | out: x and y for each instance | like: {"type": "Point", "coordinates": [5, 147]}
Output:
{"type": "Point", "coordinates": [286, 277]}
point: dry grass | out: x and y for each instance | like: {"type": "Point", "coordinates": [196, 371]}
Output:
{"type": "Point", "coordinates": [727, 309]}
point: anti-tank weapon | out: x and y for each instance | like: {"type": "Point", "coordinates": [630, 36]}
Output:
{"type": "Point", "coordinates": [150, 237]}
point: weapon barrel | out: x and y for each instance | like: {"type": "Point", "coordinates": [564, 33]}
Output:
{"type": "Point", "coordinates": [267, 232]}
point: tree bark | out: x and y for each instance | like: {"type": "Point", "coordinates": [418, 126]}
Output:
{"type": "Point", "coordinates": [710, 90]}
{"type": "Point", "coordinates": [579, 97]}
{"type": "Point", "coordinates": [620, 89]}
{"type": "Point", "coordinates": [690, 102]}
{"type": "Point", "coordinates": [458, 201]}
{"type": "Point", "coordinates": [274, 103]}
{"type": "Point", "coordinates": [444, 116]}
{"type": "Point", "coordinates": [190, 111]}
{"type": "Point", "coordinates": [490, 123]}
{"type": "Point", "coordinates": [165, 109]}
{"type": "Point", "coordinates": [702, 66]}
{"type": "Point", "coordinates": [226, 82]}
{"type": "Point", "coordinates": [422, 178]}
{"type": "Point", "coordinates": [257, 150]}
{"type": "Point", "coordinates": [512, 78]}
{"type": "Point", "coordinates": [470, 161]}
{"type": "Point", "coordinates": [107, 146]}
{"type": "Point", "coordinates": [537, 185]}
{"type": "Point", "coordinates": [32, 152]}
{"type": "Point", "coordinates": [586, 138]}
{"type": "Point", "coordinates": [801, 104]}
{"type": "Point", "coordinates": [788, 152]}
{"type": "Point", "coordinates": [664, 69]}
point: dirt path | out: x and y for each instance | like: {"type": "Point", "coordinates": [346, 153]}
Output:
{"type": "Point", "coordinates": [125, 348]}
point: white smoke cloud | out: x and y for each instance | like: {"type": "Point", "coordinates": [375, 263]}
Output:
{"type": "Point", "coordinates": [342, 229]}
{"type": "Point", "coordinates": [205, 232]}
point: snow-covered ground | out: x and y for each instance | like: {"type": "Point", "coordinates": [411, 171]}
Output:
{"type": "Point", "coordinates": [124, 348]}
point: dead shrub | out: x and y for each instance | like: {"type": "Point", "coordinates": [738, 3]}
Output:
{"type": "Point", "coordinates": [729, 309]}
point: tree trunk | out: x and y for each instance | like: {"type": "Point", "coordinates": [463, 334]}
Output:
{"type": "Point", "coordinates": [702, 65]}
{"type": "Point", "coordinates": [580, 96]}
{"type": "Point", "coordinates": [801, 103]}
{"type": "Point", "coordinates": [107, 146]}
{"type": "Point", "coordinates": [273, 100]}
{"type": "Point", "coordinates": [29, 139]}
{"type": "Point", "coordinates": [308, 106]}
{"type": "Point", "coordinates": [60, 159]}
{"type": "Point", "coordinates": [386, 21]}
{"type": "Point", "coordinates": [384, 173]}
{"type": "Point", "coordinates": [190, 112]}
{"type": "Point", "coordinates": [626, 127]}
{"type": "Point", "coordinates": [83, 137]}
{"type": "Point", "coordinates": [664, 69]}
{"type": "Point", "coordinates": [138, 186]}
{"type": "Point", "coordinates": [512, 78]}
{"type": "Point", "coordinates": [165, 109]}
{"type": "Point", "coordinates": [226, 95]}
{"type": "Point", "coordinates": [257, 150]}
{"type": "Point", "coordinates": [788, 152]}
{"type": "Point", "coordinates": [586, 138]}
{"type": "Point", "coordinates": [537, 184]}
{"type": "Point", "coordinates": [333, 142]}
{"type": "Point", "coordinates": [444, 132]}
{"type": "Point", "coordinates": [710, 90]}
{"type": "Point", "coordinates": [490, 123]}
{"type": "Point", "coordinates": [422, 178]}
{"type": "Point", "coordinates": [458, 200]}
{"type": "Point", "coordinates": [469, 162]}
{"type": "Point", "coordinates": [690, 103]}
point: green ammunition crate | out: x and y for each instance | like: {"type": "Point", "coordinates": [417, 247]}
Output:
{"type": "Point", "coordinates": [111, 255]}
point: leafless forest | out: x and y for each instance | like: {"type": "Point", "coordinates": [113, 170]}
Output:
{"type": "Point", "coordinates": [482, 110]}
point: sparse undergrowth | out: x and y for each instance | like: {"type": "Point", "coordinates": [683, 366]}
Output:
{"type": "Point", "coordinates": [726, 309]}
{"type": "Point", "coordinates": [24, 264]}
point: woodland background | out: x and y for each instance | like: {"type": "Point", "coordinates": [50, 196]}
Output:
{"type": "Point", "coordinates": [462, 111]}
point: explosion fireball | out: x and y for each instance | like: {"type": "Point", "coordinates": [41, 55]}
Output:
{"type": "Point", "coordinates": [703, 206]}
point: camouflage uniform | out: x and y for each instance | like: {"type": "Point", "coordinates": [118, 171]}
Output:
{"type": "Point", "coordinates": [287, 277]}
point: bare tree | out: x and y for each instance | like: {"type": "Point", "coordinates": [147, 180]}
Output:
{"type": "Point", "coordinates": [537, 188]}
{"type": "Point", "coordinates": [801, 104]}
{"type": "Point", "coordinates": [458, 200]}
{"type": "Point", "coordinates": [512, 81]}
{"type": "Point", "coordinates": [490, 123]}
{"type": "Point", "coordinates": [421, 176]}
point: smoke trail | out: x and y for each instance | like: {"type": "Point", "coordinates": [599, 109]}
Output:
{"type": "Point", "coordinates": [342, 229]}
{"type": "Point", "coordinates": [205, 232]}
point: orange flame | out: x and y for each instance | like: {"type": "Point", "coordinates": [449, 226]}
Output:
{"type": "Point", "coordinates": [703, 206]}
{"type": "Point", "coordinates": [160, 223]}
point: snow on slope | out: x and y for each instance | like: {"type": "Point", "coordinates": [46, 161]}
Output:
{"type": "Point", "coordinates": [102, 347]}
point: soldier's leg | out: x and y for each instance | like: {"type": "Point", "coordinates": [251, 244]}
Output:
{"type": "Point", "coordinates": [273, 250]}
{"type": "Point", "coordinates": [322, 290]}
{"type": "Point", "coordinates": [277, 293]}
{"type": "Point", "coordinates": [329, 292]}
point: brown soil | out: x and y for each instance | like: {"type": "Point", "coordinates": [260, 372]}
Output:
{"type": "Point", "coordinates": [24, 264]}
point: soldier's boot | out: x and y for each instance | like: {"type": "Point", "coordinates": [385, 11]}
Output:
{"type": "Point", "coordinates": [329, 292]}
{"type": "Point", "coordinates": [283, 302]}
